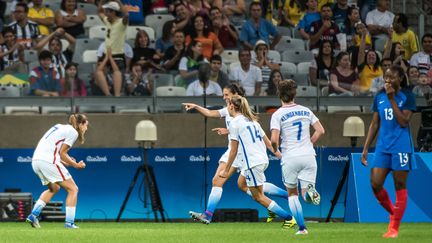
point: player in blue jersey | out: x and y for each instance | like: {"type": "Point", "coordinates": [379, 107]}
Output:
{"type": "Point", "coordinates": [290, 124]}
{"type": "Point", "coordinates": [218, 182]}
{"type": "Point", "coordinates": [247, 136]}
{"type": "Point", "coordinates": [394, 152]}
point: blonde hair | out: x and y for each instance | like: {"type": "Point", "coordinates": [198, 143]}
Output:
{"type": "Point", "coordinates": [75, 120]}
{"type": "Point", "coordinates": [242, 105]}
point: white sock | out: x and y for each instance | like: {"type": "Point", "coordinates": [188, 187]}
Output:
{"type": "Point", "coordinates": [249, 192]}
{"type": "Point", "coordinates": [70, 214]}
{"type": "Point", "coordinates": [37, 208]}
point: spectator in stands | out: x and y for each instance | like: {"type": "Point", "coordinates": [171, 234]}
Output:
{"type": "Point", "coordinates": [368, 66]}
{"type": "Point", "coordinates": [353, 17]}
{"type": "Point", "coordinates": [361, 30]}
{"type": "Point", "coordinates": [128, 54]}
{"type": "Point", "coordinates": [143, 54]}
{"type": "Point", "coordinates": [203, 86]}
{"type": "Point", "coordinates": [209, 41]}
{"type": "Point", "coordinates": [163, 43]}
{"type": "Point", "coordinates": [231, 8]}
{"type": "Point", "coordinates": [42, 16]}
{"type": "Point", "coordinates": [378, 82]}
{"type": "Point", "coordinates": [27, 32]}
{"type": "Point", "coordinates": [116, 33]}
{"type": "Point", "coordinates": [324, 29]}
{"type": "Point", "coordinates": [413, 75]}
{"type": "Point", "coordinates": [136, 10]}
{"type": "Point", "coordinates": [72, 85]}
{"type": "Point", "coordinates": [108, 76]}
{"type": "Point", "coordinates": [423, 86]}
{"type": "Point", "coordinates": [246, 74]}
{"type": "Point", "coordinates": [340, 13]}
{"type": "Point", "coordinates": [309, 17]}
{"type": "Point", "coordinates": [291, 12]}
{"type": "Point", "coordinates": [380, 20]}
{"type": "Point", "coordinates": [155, 6]}
{"type": "Point", "coordinates": [365, 7]}
{"type": "Point", "coordinates": [189, 64]}
{"type": "Point", "coordinates": [263, 62]}
{"type": "Point", "coordinates": [324, 2]}
{"type": "Point", "coordinates": [343, 79]}
{"type": "Point", "coordinates": [319, 70]}
{"type": "Point", "coordinates": [197, 7]}
{"type": "Point", "coordinates": [44, 80]}
{"type": "Point", "coordinates": [403, 35]}
{"type": "Point", "coordinates": [257, 28]}
{"type": "Point", "coordinates": [70, 18]}
{"type": "Point", "coordinates": [275, 77]}
{"type": "Point", "coordinates": [422, 59]}
{"type": "Point", "coordinates": [11, 53]}
{"type": "Point", "coordinates": [225, 31]}
{"type": "Point", "coordinates": [182, 21]}
{"type": "Point", "coordinates": [55, 46]}
{"type": "Point", "coordinates": [396, 53]}
{"type": "Point", "coordinates": [216, 74]}
{"type": "Point", "coordinates": [174, 53]}
{"type": "Point", "coordinates": [139, 83]}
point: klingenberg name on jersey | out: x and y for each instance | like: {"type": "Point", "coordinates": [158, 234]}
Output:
{"type": "Point", "coordinates": [295, 113]}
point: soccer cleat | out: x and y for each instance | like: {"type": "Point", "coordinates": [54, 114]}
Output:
{"type": "Point", "coordinates": [270, 216]}
{"type": "Point", "coordinates": [302, 232]}
{"type": "Point", "coordinates": [33, 220]}
{"type": "Point", "coordinates": [288, 224]}
{"type": "Point", "coordinates": [71, 226]}
{"type": "Point", "coordinates": [200, 217]}
{"type": "Point", "coordinates": [313, 195]}
{"type": "Point", "coordinates": [392, 233]}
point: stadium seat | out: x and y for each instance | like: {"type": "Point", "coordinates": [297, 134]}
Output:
{"type": "Point", "coordinates": [297, 56]}
{"type": "Point", "coordinates": [92, 20]}
{"type": "Point", "coordinates": [98, 32]}
{"type": "Point", "coordinates": [274, 55]}
{"type": "Point", "coordinates": [288, 43]}
{"type": "Point", "coordinates": [83, 45]}
{"type": "Point", "coordinates": [299, 78]}
{"type": "Point", "coordinates": [90, 56]}
{"type": "Point", "coordinates": [53, 5]}
{"type": "Point", "coordinates": [10, 90]}
{"type": "Point", "coordinates": [163, 79]}
{"type": "Point", "coordinates": [285, 31]}
{"type": "Point", "coordinates": [56, 110]}
{"type": "Point", "coordinates": [306, 90]}
{"type": "Point", "coordinates": [296, 34]}
{"type": "Point", "coordinates": [229, 56]}
{"type": "Point", "coordinates": [379, 44]}
{"type": "Point", "coordinates": [170, 91]}
{"type": "Point", "coordinates": [287, 68]}
{"type": "Point", "coordinates": [132, 31]}
{"type": "Point", "coordinates": [303, 67]}
{"type": "Point", "coordinates": [32, 65]}
{"type": "Point", "coordinates": [88, 8]}
{"type": "Point", "coordinates": [30, 56]}
{"type": "Point", "coordinates": [21, 110]}
{"type": "Point", "coordinates": [157, 21]}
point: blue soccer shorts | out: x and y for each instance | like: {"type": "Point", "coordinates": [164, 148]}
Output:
{"type": "Point", "coordinates": [394, 161]}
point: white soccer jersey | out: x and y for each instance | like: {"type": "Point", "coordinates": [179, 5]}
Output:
{"type": "Point", "coordinates": [293, 122]}
{"type": "Point", "coordinates": [228, 118]}
{"type": "Point", "coordinates": [250, 135]}
{"type": "Point", "coordinates": [49, 145]}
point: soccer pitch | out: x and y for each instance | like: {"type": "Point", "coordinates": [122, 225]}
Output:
{"type": "Point", "coordinates": [215, 232]}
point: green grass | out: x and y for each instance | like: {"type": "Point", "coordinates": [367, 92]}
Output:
{"type": "Point", "coordinates": [215, 232]}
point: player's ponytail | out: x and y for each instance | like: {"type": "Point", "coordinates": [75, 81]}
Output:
{"type": "Point", "coordinates": [287, 90]}
{"type": "Point", "coordinates": [74, 121]}
{"type": "Point", "coordinates": [236, 89]}
{"type": "Point", "coordinates": [242, 105]}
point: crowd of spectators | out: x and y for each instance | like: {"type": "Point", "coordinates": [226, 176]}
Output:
{"type": "Point", "coordinates": [353, 44]}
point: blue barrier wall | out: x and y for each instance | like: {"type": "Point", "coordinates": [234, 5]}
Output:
{"type": "Point", "coordinates": [362, 205]}
{"type": "Point", "coordinates": [180, 177]}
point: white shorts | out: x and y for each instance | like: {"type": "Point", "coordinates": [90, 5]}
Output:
{"type": "Point", "coordinates": [49, 172]}
{"type": "Point", "coordinates": [299, 168]}
{"type": "Point", "coordinates": [255, 176]}
{"type": "Point", "coordinates": [238, 161]}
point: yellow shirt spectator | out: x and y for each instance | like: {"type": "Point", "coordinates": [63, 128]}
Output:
{"type": "Point", "coordinates": [42, 13]}
{"type": "Point", "coordinates": [294, 13]}
{"type": "Point", "coordinates": [366, 76]}
{"type": "Point", "coordinates": [116, 35]}
{"type": "Point", "coordinates": [409, 42]}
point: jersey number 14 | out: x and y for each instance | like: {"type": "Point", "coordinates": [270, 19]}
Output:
{"type": "Point", "coordinates": [254, 134]}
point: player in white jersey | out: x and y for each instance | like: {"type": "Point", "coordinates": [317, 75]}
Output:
{"type": "Point", "coordinates": [48, 162]}
{"type": "Point", "coordinates": [218, 182]}
{"type": "Point", "coordinates": [247, 136]}
{"type": "Point", "coordinates": [290, 124]}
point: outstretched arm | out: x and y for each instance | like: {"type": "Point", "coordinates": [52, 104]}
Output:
{"type": "Point", "coordinates": [203, 111]}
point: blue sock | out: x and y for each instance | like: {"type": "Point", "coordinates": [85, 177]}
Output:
{"type": "Point", "coordinates": [213, 200]}
{"type": "Point", "coordinates": [275, 208]}
{"type": "Point", "coordinates": [37, 208]}
{"type": "Point", "coordinates": [272, 190]}
{"type": "Point", "coordinates": [297, 211]}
